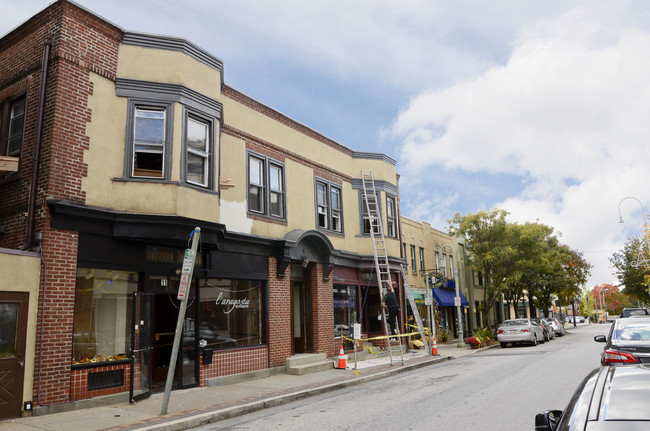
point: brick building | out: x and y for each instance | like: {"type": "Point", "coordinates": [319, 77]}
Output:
{"type": "Point", "coordinates": [115, 145]}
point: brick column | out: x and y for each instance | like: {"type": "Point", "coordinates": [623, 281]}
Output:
{"type": "Point", "coordinates": [55, 321]}
{"type": "Point", "coordinates": [279, 318]}
{"type": "Point", "coordinates": [323, 311]}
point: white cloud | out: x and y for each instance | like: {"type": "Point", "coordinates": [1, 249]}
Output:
{"type": "Point", "coordinates": [568, 111]}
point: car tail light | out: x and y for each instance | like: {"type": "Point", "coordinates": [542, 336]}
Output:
{"type": "Point", "coordinates": [616, 357]}
{"type": "Point", "coordinates": [500, 331]}
{"type": "Point", "coordinates": [525, 330]}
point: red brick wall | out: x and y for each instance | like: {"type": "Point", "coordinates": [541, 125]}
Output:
{"type": "Point", "coordinates": [56, 313]}
{"type": "Point", "coordinates": [79, 382]}
{"type": "Point", "coordinates": [234, 361]}
{"type": "Point", "coordinates": [81, 44]}
{"type": "Point", "coordinates": [323, 311]}
{"type": "Point", "coordinates": [279, 339]}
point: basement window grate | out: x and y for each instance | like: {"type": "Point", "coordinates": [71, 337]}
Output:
{"type": "Point", "coordinates": [105, 380]}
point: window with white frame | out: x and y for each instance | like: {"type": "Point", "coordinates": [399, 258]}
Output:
{"type": "Point", "coordinates": [451, 265]}
{"type": "Point", "coordinates": [391, 216]}
{"type": "Point", "coordinates": [198, 148]}
{"type": "Point", "coordinates": [266, 195]}
{"type": "Point", "coordinates": [148, 143]}
{"type": "Point", "coordinates": [437, 255]}
{"type": "Point", "coordinates": [366, 218]}
{"type": "Point", "coordinates": [422, 260]}
{"type": "Point", "coordinates": [328, 206]}
{"type": "Point", "coordinates": [276, 190]}
{"type": "Point", "coordinates": [414, 266]}
{"type": "Point", "coordinates": [443, 264]}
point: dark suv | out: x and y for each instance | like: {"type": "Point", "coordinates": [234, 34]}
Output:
{"type": "Point", "coordinates": [628, 342]}
{"type": "Point", "coordinates": [627, 312]}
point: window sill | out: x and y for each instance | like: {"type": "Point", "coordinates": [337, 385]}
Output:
{"type": "Point", "coordinates": [8, 164]}
{"type": "Point", "coordinates": [265, 218]}
{"type": "Point", "coordinates": [80, 366]}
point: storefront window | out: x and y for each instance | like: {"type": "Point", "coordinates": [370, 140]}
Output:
{"type": "Point", "coordinates": [345, 310]}
{"type": "Point", "coordinates": [230, 313]}
{"type": "Point", "coordinates": [102, 315]}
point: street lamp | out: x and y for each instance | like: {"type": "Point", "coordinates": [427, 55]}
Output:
{"type": "Point", "coordinates": [461, 338]}
{"type": "Point", "coordinates": [642, 259]}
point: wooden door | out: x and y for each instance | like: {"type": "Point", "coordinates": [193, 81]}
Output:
{"type": "Point", "coordinates": [13, 331]}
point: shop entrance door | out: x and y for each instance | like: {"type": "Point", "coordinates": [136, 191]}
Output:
{"type": "Point", "coordinates": [301, 318]}
{"type": "Point", "coordinates": [141, 354]}
{"type": "Point", "coordinates": [165, 316]}
{"type": "Point", "coordinates": [13, 331]}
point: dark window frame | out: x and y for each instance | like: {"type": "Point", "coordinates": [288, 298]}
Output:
{"type": "Point", "coordinates": [134, 105]}
{"type": "Point", "coordinates": [414, 265]}
{"type": "Point", "coordinates": [364, 222]}
{"type": "Point", "coordinates": [6, 108]}
{"type": "Point", "coordinates": [422, 267]}
{"type": "Point", "coordinates": [329, 212]}
{"type": "Point", "coordinates": [265, 189]}
{"type": "Point", "coordinates": [210, 153]}
{"type": "Point", "coordinates": [391, 219]}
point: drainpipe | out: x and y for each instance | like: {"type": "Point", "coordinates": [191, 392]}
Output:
{"type": "Point", "coordinates": [31, 205]}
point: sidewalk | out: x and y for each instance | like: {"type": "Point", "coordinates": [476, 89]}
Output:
{"type": "Point", "coordinates": [193, 407]}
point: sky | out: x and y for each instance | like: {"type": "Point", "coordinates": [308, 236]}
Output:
{"type": "Point", "coordinates": [537, 108]}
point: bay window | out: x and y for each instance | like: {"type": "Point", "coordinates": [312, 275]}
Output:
{"type": "Point", "coordinates": [198, 147]}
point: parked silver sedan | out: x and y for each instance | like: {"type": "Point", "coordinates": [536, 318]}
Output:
{"type": "Point", "coordinates": [519, 331]}
{"type": "Point", "coordinates": [557, 326]}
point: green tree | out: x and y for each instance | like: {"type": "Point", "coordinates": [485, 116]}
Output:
{"type": "Point", "coordinates": [629, 272]}
{"type": "Point", "coordinates": [574, 271]}
{"type": "Point", "coordinates": [588, 303]}
{"type": "Point", "coordinates": [528, 271]}
{"type": "Point", "coordinates": [489, 248]}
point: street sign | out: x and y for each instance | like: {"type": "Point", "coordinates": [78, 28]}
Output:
{"type": "Point", "coordinates": [456, 301]}
{"type": "Point", "coordinates": [182, 287]}
{"type": "Point", "coordinates": [357, 331]}
{"type": "Point", "coordinates": [436, 279]}
{"type": "Point", "coordinates": [188, 261]}
{"type": "Point", "coordinates": [188, 266]}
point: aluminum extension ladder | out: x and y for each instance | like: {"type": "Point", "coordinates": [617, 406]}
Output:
{"type": "Point", "coordinates": [416, 313]}
{"type": "Point", "coordinates": [381, 258]}
{"type": "Point", "coordinates": [379, 249]}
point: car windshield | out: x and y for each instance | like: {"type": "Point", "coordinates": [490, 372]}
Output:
{"type": "Point", "coordinates": [515, 323]}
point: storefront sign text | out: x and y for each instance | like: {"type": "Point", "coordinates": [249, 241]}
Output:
{"type": "Point", "coordinates": [232, 303]}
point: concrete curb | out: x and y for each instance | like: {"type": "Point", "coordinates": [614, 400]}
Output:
{"type": "Point", "coordinates": [207, 417]}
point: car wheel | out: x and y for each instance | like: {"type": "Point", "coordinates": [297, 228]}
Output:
{"type": "Point", "coordinates": [504, 345]}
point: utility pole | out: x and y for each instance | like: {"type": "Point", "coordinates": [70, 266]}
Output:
{"type": "Point", "coordinates": [183, 293]}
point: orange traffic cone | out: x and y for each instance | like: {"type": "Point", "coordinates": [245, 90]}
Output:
{"type": "Point", "coordinates": [342, 362]}
{"type": "Point", "coordinates": [434, 348]}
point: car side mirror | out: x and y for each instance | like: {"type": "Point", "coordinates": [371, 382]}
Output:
{"type": "Point", "coordinates": [600, 339]}
{"type": "Point", "coordinates": [548, 420]}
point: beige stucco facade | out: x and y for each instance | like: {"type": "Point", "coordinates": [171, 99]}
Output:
{"type": "Point", "coordinates": [21, 272]}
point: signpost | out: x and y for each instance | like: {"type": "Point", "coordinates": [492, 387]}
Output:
{"type": "Point", "coordinates": [183, 289]}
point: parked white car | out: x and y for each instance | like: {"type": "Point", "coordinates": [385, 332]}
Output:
{"type": "Point", "coordinates": [518, 331]}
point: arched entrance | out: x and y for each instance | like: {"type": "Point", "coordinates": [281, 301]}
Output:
{"type": "Point", "coordinates": [309, 254]}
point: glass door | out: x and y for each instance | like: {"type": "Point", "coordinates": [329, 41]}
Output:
{"type": "Point", "coordinates": [165, 310]}
{"type": "Point", "coordinates": [141, 337]}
